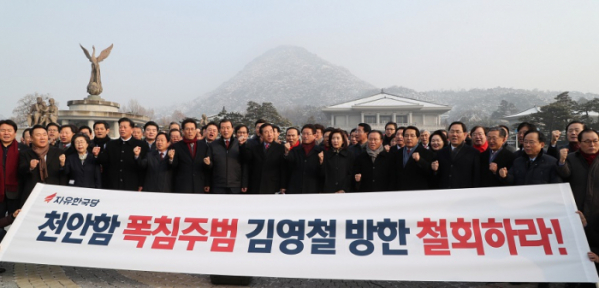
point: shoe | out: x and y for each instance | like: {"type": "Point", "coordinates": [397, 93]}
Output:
{"type": "Point", "coordinates": [2, 270]}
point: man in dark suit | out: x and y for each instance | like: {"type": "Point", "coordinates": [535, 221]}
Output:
{"type": "Point", "coordinates": [373, 169]}
{"type": "Point", "coordinates": [66, 135]}
{"type": "Point", "coordinates": [229, 173]}
{"type": "Point", "coordinates": [458, 164]}
{"type": "Point", "coordinates": [190, 169]}
{"type": "Point", "coordinates": [399, 143]}
{"type": "Point", "coordinates": [9, 172]}
{"type": "Point", "coordinates": [572, 130]}
{"type": "Point", "coordinates": [266, 163]}
{"type": "Point", "coordinates": [496, 157]}
{"type": "Point", "coordinates": [158, 176]}
{"type": "Point", "coordinates": [413, 162]}
{"type": "Point", "coordinates": [119, 161]}
{"type": "Point", "coordinates": [150, 132]}
{"type": "Point", "coordinates": [40, 164]}
{"type": "Point", "coordinates": [303, 163]}
{"type": "Point", "coordinates": [362, 136]}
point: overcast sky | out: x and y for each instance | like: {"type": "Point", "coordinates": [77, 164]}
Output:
{"type": "Point", "coordinates": [178, 50]}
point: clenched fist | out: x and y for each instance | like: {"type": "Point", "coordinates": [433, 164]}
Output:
{"type": "Point", "coordinates": [62, 159]}
{"type": "Point", "coordinates": [33, 163]}
{"type": "Point", "coordinates": [358, 177]}
{"type": "Point", "coordinates": [435, 166]}
{"type": "Point", "coordinates": [493, 167]}
{"type": "Point", "coordinates": [321, 157]}
{"type": "Point", "coordinates": [96, 151]}
{"type": "Point", "coordinates": [287, 147]}
{"type": "Point", "coordinates": [416, 156]}
{"type": "Point", "coordinates": [136, 151]}
{"type": "Point", "coordinates": [563, 154]}
{"type": "Point", "coordinates": [171, 154]}
{"type": "Point", "coordinates": [387, 148]}
{"type": "Point", "coordinates": [503, 172]}
{"type": "Point", "coordinates": [555, 136]}
{"type": "Point", "coordinates": [207, 160]}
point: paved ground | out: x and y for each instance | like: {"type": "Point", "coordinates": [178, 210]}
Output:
{"type": "Point", "coordinates": [31, 275]}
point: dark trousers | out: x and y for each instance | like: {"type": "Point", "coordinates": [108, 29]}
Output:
{"type": "Point", "coordinates": [225, 190]}
{"type": "Point", "coordinates": [10, 206]}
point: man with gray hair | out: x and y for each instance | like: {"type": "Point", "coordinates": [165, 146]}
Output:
{"type": "Point", "coordinates": [424, 136]}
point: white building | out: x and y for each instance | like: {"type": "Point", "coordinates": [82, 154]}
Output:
{"type": "Point", "coordinates": [383, 107]}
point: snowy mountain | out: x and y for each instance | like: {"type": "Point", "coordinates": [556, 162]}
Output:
{"type": "Point", "coordinates": [286, 76]}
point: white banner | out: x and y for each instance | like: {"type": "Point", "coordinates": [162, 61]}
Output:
{"type": "Point", "coordinates": [511, 234]}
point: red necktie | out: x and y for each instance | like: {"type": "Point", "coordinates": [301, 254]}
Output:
{"type": "Point", "coordinates": [227, 144]}
{"type": "Point", "coordinates": [161, 155]}
{"type": "Point", "coordinates": [266, 145]}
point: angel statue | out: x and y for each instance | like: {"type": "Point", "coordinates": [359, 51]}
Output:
{"type": "Point", "coordinates": [95, 82]}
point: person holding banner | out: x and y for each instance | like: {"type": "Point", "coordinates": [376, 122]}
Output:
{"type": "Point", "coordinates": [41, 163]}
{"type": "Point", "coordinates": [81, 168]}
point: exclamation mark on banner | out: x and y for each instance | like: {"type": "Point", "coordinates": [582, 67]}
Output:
{"type": "Point", "coordinates": [557, 230]}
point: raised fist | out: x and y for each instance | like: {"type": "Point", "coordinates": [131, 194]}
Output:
{"type": "Point", "coordinates": [321, 157]}
{"type": "Point", "coordinates": [493, 167]}
{"type": "Point", "coordinates": [287, 147]}
{"type": "Point", "coordinates": [435, 166]}
{"type": "Point", "coordinates": [136, 151]}
{"type": "Point", "coordinates": [33, 163]}
{"type": "Point", "coordinates": [96, 151]}
{"type": "Point", "coordinates": [62, 159]}
{"type": "Point", "coordinates": [207, 160]}
{"type": "Point", "coordinates": [358, 177]}
{"type": "Point", "coordinates": [416, 156]}
{"type": "Point", "coordinates": [387, 148]}
{"type": "Point", "coordinates": [503, 172]}
{"type": "Point", "coordinates": [563, 154]}
{"type": "Point", "coordinates": [555, 136]}
{"type": "Point", "coordinates": [171, 154]}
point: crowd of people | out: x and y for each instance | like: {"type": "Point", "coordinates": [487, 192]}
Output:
{"type": "Point", "coordinates": [186, 158]}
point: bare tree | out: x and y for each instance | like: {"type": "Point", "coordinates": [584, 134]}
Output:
{"type": "Point", "coordinates": [134, 107]}
{"type": "Point", "coordinates": [20, 113]}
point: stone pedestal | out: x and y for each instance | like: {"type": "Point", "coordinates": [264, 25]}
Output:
{"type": "Point", "coordinates": [93, 108]}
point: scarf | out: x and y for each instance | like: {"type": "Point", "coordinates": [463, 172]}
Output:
{"type": "Point", "coordinates": [374, 153]}
{"type": "Point", "coordinates": [195, 146]}
{"type": "Point", "coordinates": [589, 157]}
{"type": "Point", "coordinates": [41, 153]}
{"type": "Point", "coordinates": [9, 181]}
{"type": "Point", "coordinates": [481, 148]}
{"type": "Point", "coordinates": [573, 147]}
{"type": "Point", "coordinates": [296, 144]}
{"type": "Point", "coordinates": [308, 147]}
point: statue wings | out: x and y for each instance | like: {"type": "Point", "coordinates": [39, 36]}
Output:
{"type": "Point", "coordinates": [105, 53]}
{"type": "Point", "coordinates": [87, 53]}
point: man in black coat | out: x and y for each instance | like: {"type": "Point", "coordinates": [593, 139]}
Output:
{"type": "Point", "coordinates": [158, 176]}
{"type": "Point", "coordinates": [362, 135]}
{"type": "Point", "coordinates": [30, 163]}
{"type": "Point", "coordinates": [373, 169]}
{"type": "Point", "coordinates": [458, 164]}
{"type": "Point", "coordinates": [190, 169]}
{"type": "Point", "coordinates": [413, 162]}
{"type": "Point", "coordinates": [533, 167]}
{"type": "Point", "coordinates": [496, 157]}
{"type": "Point", "coordinates": [303, 163]}
{"type": "Point", "coordinates": [266, 163]}
{"type": "Point", "coordinates": [66, 135]}
{"type": "Point", "coordinates": [229, 173]}
{"type": "Point", "coordinates": [572, 130]}
{"type": "Point", "coordinates": [118, 159]}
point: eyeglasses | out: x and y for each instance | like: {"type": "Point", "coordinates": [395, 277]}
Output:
{"type": "Point", "coordinates": [588, 142]}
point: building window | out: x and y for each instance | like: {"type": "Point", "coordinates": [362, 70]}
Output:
{"type": "Point", "coordinates": [401, 119]}
{"type": "Point", "coordinates": [384, 119]}
{"type": "Point", "coordinates": [370, 119]}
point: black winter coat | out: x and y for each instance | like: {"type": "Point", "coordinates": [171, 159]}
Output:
{"type": "Point", "coordinates": [377, 176]}
{"type": "Point", "coordinates": [119, 163]}
{"type": "Point", "coordinates": [542, 171]}
{"type": "Point", "coordinates": [336, 171]}
{"type": "Point", "coordinates": [227, 168]}
{"type": "Point", "coordinates": [159, 176]}
{"type": "Point", "coordinates": [83, 175]}
{"type": "Point", "coordinates": [32, 177]}
{"type": "Point", "coordinates": [191, 175]}
{"type": "Point", "coordinates": [504, 159]}
{"type": "Point", "coordinates": [305, 176]}
{"type": "Point", "coordinates": [267, 168]}
{"type": "Point", "coordinates": [461, 171]}
{"type": "Point", "coordinates": [415, 175]}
